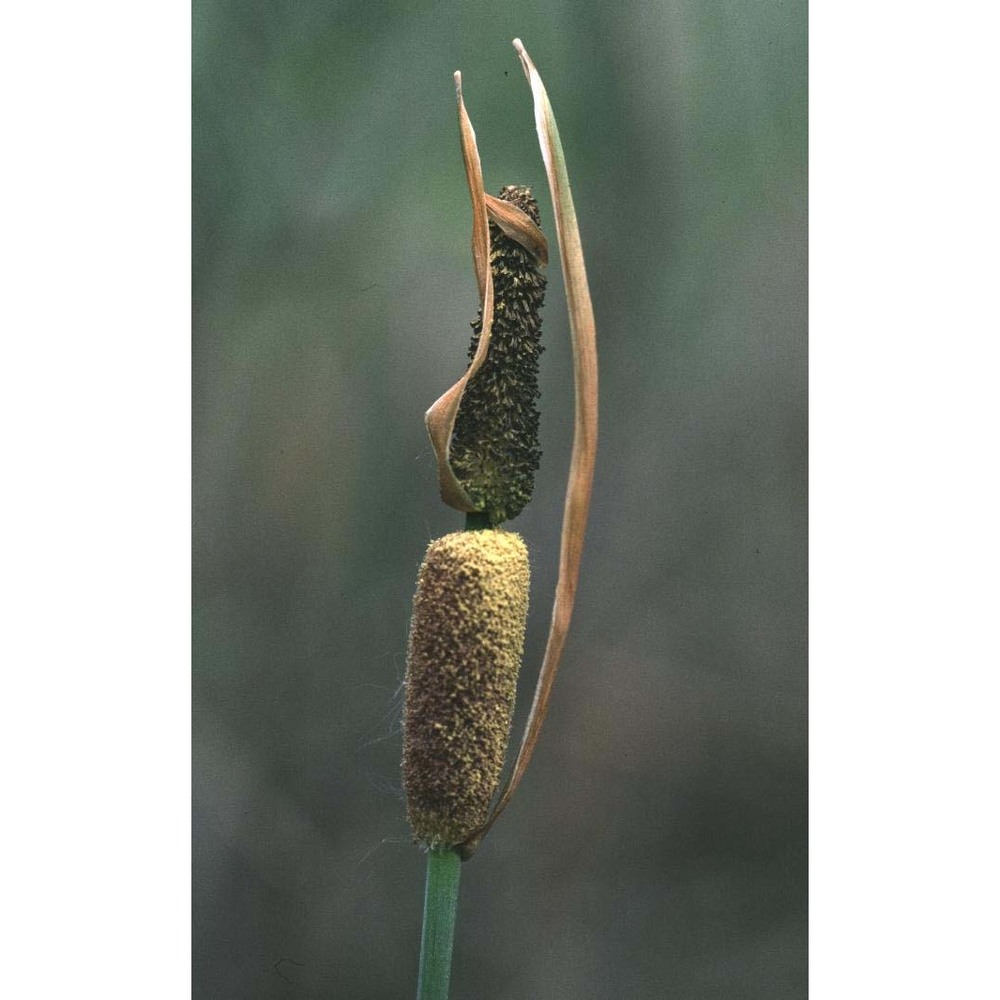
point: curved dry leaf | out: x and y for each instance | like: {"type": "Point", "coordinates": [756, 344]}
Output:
{"type": "Point", "coordinates": [519, 226]}
{"type": "Point", "coordinates": [581, 474]}
{"type": "Point", "coordinates": [440, 418]}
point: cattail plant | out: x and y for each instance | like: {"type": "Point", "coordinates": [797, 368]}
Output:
{"type": "Point", "coordinates": [470, 608]}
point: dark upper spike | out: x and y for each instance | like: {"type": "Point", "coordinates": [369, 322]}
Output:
{"type": "Point", "coordinates": [494, 447]}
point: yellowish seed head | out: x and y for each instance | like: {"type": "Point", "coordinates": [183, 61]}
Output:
{"type": "Point", "coordinates": [465, 648]}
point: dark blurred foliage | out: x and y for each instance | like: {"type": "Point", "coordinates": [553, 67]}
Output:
{"type": "Point", "coordinates": [658, 845]}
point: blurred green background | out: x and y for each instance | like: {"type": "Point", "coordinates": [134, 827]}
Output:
{"type": "Point", "coordinates": [658, 845]}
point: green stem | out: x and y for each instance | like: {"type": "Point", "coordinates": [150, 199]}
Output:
{"type": "Point", "coordinates": [440, 906]}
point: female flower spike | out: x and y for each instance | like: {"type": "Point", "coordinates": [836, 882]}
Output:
{"type": "Point", "coordinates": [464, 654]}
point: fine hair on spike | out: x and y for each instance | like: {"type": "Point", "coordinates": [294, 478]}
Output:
{"type": "Point", "coordinates": [494, 451]}
{"type": "Point", "coordinates": [464, 654]}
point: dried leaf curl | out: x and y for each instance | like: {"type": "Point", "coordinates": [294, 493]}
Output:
{"type": "Point", "coordinates": [440, 418]}
{"type": "Point", "coordinates": [581, 474]}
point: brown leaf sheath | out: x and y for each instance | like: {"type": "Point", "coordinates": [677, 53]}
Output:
{"type": "Point", "coordinates": [440, 418]}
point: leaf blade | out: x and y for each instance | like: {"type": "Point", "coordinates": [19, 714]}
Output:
{"type": "Point", "coordinates": [440, 418]}
{"type": "Point", "coordinates": [583, 334]}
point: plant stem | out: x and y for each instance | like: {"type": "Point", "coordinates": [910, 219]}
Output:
{"type": "Point", "coordinates": [440, 906]}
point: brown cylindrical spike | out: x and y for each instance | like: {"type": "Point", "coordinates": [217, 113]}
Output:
{"type": "Point", "coordinates": [464, 654]}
